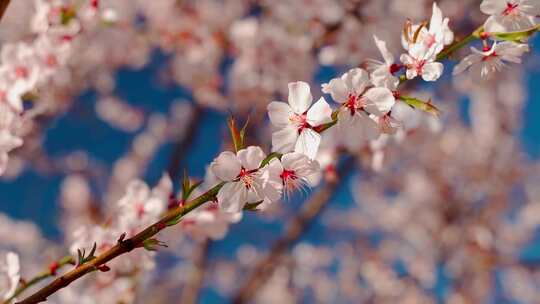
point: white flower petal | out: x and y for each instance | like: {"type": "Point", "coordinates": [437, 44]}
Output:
{"type": "Point", "coordinates": [381, 45]}
{"type": "Point", "coordinates": [337, 89]}
{"type": "Point", "coordinates": [251, 157]}
{"type": "Point", "coordinates": [356, 80]}
{"type": "Point", "coordinates": [279, 113]}
{"type": "Point", "coordinates": [493, 7]}
{"type": "Point", "coordinates": [466, 62]}
{"type": "Point", "coordinates": [299, 96]}
{"type": "Point", "coordinates": [232, 197]}
{"type": "Point", "coordinates": [308, 143]}
{"type": "Point", "coordinates": [226, 166]}
{"type": "Point", "coordinates": [432, 71]}
{"type": "Point", "coordinates": [284, 140]}
{"type": "Point", "coordinates": [381, 100]}
{"type": "Point", "coordinates": [320, 113]}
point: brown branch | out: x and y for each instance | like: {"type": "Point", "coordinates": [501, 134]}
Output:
{"type": "Point", "coordinates": [296, 227]}
{"type": "Point", "coordinates": [3, 7]}
{"type": "Point", "coordinates": [195, 281]}
{"type": "Point", "coordinates": [122, 247]}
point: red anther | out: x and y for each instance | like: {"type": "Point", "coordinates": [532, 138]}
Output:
{"type": "Point", "coordinates": [510, 7]}
{"type": "Point", "coordinates": [396, 94]}
{"type": "Point", "coordinates": [351, 103]}
{"type": "Point", "coordinates": [288, 174]}
{"type": "Point", "coordinates": [486, 48]}
{"type": "Point", "coordinates": [395, 67]}
{"type": "Point", "coordinates": [160, 226]}
{"type": "Point", "coordinates": [484, 35]}
{"type": "Point", "coordinates": [53, 268]}
{"type": "Point", "coordinates": [94, 3]}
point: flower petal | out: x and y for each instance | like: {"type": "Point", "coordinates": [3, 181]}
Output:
{"type": "Point", "coordinates": [232, 197]}
{"type": "Point", "coordinates": [493, 7]}
{"type": "Point", "coordinates": [320, 113]}
{"type": "Point", "coordinates": [279, 113]}
{"type": "Point", "coordinates": [308, 143]}
{"type": "Point", "coordinates": [251, 157]}
{"type": "Point", "coordinates": [381, 45]}
{"type": "Point", "coordinates": [432, 71]}
{"type": "Point", "coordinates": [466, 62]}
{"type": "Point", "coordinates": [299, 96]}
{"type": "Point", "coordinates": [356, 80]}
{"type": "Point", "coordinates": [381, 100]}
{"type": "Point", "coordinates": [337, 89]}
{"type": "Point", "coordinates": [283, 140]}
{"type": "Point", "coordinates": [226, 166]}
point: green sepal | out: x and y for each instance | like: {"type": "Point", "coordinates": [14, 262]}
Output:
{"type": "Point", "coordinates": [416, 103]}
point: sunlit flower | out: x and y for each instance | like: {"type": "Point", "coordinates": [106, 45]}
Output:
{"type": "Point", "coordinates": [358, 100]}
{"type": "Point", "coordinates": [298, 172]}
{"type": "Point", "coordinates": [510, 15]}
{"type": "Point", "coordinates": [420, 61]}
{"type": "Point", "coordinates": [492, 59]}
{"type": "Point", "coordinates": [245, 181]}
{"type": "Point", "coordinates": [141, 206]}
{"type": "Point", "coordinates": [434, 37]}
{"type": "Point", "coordinates": [296, 122]}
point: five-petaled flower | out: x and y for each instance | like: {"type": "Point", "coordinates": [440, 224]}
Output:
{"type": "Point", "coordinates": [358, 99]}
{"type": "Point", "coordinates": [420, 61]}
{"type": "Point", "coordinates": [297, 172]}
{"type": "Point", "coordinates": [246, 181]}
{"type": "Point", "coordinates": [510, 15]}
{"type": "Point", "coordinates": [492, 59]}
{"type": "Point", "coordinates": [296, 123]}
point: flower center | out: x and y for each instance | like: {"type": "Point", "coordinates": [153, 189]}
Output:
{"type": "Point", "coordinates": [510, 9]}
{"type": "Point", "coordinates": [300, 120]}
{"type": "Point", "coordinates": [287, 175]}
{"type": "Point", "coordinates": [246, 177]}
{"type": "Point", "coordinates": [490, 56]}
{"type": "Point", "coordinates": [354, 103]}
{"type": "Point", "coordinates": [430, 40]}
{"type": "Point", "coordinates": [420, 66]}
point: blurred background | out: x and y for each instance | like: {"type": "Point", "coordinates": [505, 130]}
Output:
{"type": "Point", "coordinates": [451, 214]}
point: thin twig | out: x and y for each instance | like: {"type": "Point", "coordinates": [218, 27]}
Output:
{"type": "Point", "coordinates": [50, 272]}
{"type": "Point", "coordinates": [295, 229]}
{"type": "Point", "coordinates": [122, 247]}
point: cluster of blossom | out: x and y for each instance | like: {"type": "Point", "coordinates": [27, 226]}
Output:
{"type": "Point", "coordinates": [429, 222]}
{"type": "Point", "coordinates": [366, 99]}
{"type": "Point", "coordinates": [505, 17]}
{"type": "Point", "coordinates": [25, 66]}
{"type": "Point", "coordinates": [369, 107]}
